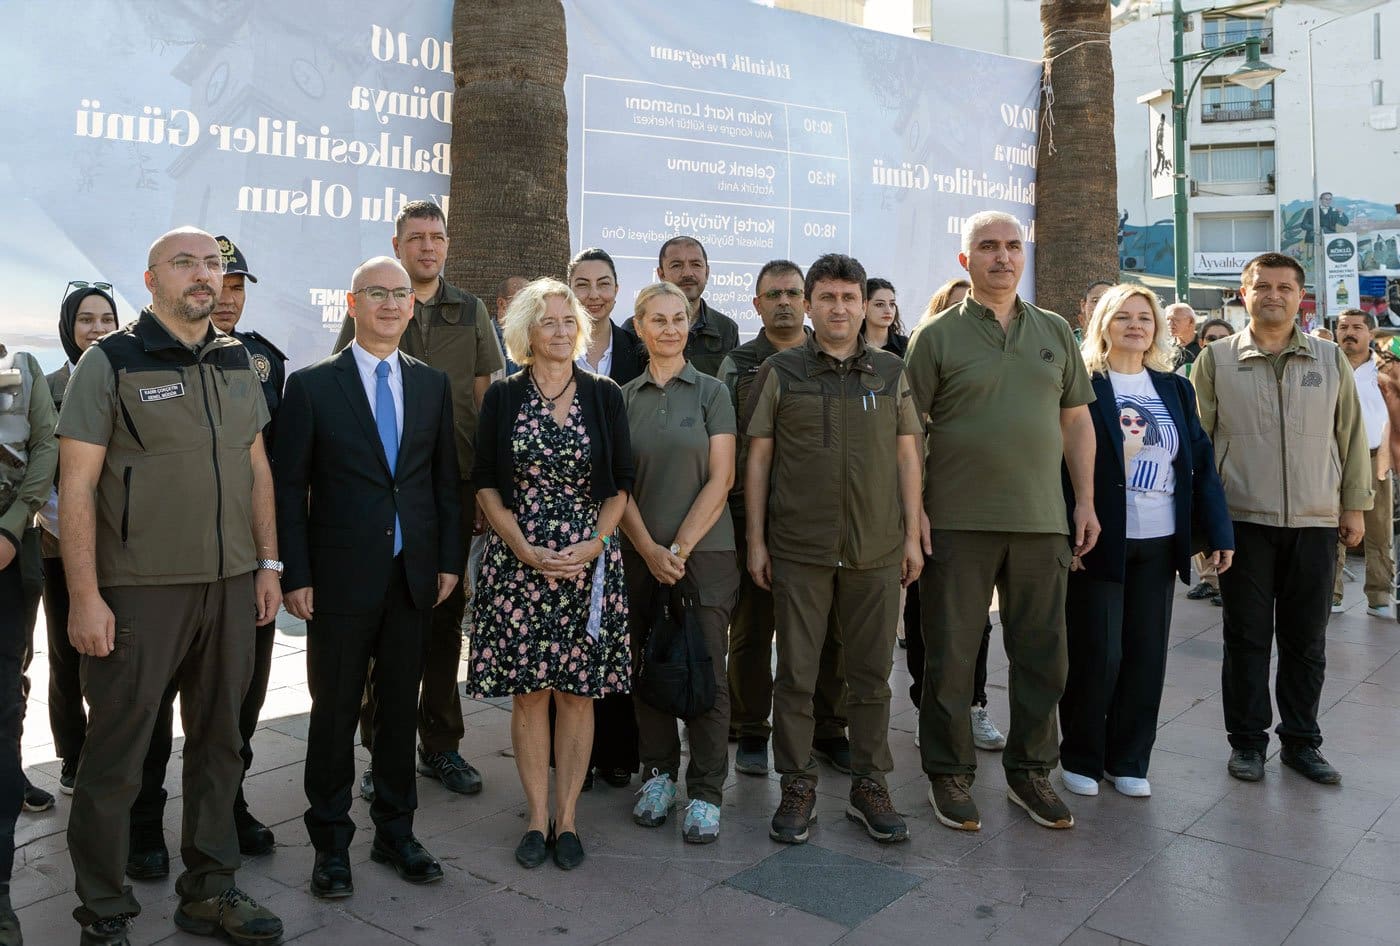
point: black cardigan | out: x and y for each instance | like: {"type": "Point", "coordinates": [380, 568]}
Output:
{"type": "Point", "coordinates": [604, 417]}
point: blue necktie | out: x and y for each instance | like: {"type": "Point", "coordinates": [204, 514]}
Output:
{"type": "Point", "coordinates": [388, 425]}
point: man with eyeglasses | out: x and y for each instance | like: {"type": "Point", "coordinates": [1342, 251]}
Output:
{"type": "Point", "coordinates": [451, 331]}
{"type": "Point", "coordinates": [148, 858]}
{"type": "Point", "coordinates": [367, 494]}
{"type": "Point", "coordinates": [778, 300]}
{"type": "Point", "coordinates": [170, 549]}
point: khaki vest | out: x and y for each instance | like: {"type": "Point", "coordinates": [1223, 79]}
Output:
{"type": "Point", "coordinates": [1275, 440]}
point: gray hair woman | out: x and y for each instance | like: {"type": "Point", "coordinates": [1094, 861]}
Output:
{"type": "Point", "coordinates": [553, 471]}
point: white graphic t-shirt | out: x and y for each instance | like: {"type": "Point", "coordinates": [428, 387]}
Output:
{"type": "Point", "coordinates": [1150, 444]}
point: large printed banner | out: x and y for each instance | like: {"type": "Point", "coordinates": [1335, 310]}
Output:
{"type": "Point", "coordinates": [769, 134]}
{"type": "Point", "coordinates": [295, 129]}
{"type": "Point", "coordinates": [299, 129]}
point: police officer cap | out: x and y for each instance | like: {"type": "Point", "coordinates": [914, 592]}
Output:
{"type": "Point", "coordinates": [235, 264]}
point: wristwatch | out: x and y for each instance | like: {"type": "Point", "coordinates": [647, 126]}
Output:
{"type": "Point", "coordinates": [271, 564]}
{"type": "Point", "coordinates": [676, 551]}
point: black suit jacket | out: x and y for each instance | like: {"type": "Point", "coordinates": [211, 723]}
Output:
{"type": "Point", "coordinates": [629, 355]}
{"type": "Point", "coordinates": [1202, 519]}
{"type": "Point", "coordinates": [336, 499]}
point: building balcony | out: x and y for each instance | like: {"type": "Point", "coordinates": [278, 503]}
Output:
{"type": "Point", "coordinates": [1227, 37]}
{"type": "Point", "coordinates": [1212, 112]}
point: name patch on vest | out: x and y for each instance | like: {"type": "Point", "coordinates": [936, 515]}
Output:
{"type": "Point", "coordinates": [163, 393]}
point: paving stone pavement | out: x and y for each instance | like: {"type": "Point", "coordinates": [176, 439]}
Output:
{"type": "Point", "coordinates": [1206, 860]}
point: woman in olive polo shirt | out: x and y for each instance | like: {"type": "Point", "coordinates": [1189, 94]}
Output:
{"type": "Point", "coordinates": [676, 526]}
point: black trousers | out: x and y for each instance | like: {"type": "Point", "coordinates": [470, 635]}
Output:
{"type": "Point", "coordinates": [14, 626]}
{"type": "Point", "coordinates": [1278, 591]}
{"type": "Point", "coordinates": [1117, 636]}
{"type": "Point", "coordinates": [339, 651]}
{"type": "Point", "coordinates": [149, 807]}
{"type": "Point", "coordinates": [67, 714]}
{"type": "Point", "coordinates": [914, 651]}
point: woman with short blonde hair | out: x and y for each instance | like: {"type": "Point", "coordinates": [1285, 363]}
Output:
{"type": "Point", "coordinates": [528, 309]}
{"type": "Point", "coordinates": [1160, 356]}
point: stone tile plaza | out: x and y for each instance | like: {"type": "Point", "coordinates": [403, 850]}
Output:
{"type": "Point", "coordinates": [1206, 860]}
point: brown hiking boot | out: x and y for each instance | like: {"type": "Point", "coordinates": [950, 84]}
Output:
{"type": "Point", "coordinates": [1032, 791]}
{"type": "Point", "coordinates": [870, 805]}
{"type": "Point", "coordinates": [952, 802]}
{"type": "Point", "coordinates": [233, 915]}
{"type": "Point", "coordinates": [796, 812]}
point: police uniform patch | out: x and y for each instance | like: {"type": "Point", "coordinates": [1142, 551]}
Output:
{"type": "Point", "coordinates": [226, 250]}
{"type": "Point", "coordinates": [262, 366]}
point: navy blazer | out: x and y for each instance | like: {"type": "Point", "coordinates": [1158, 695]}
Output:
{"type": "Point", "coordinates": [336, 499]}
{"type": "Point", "coordinates": [1199, 497]}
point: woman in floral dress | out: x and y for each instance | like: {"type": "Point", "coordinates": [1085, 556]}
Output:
{"type": "Point", "coordinates": [553, 470]}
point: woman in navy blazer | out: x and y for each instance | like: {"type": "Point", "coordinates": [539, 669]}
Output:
{"type": "Point", "coordinates": [1156, 492]}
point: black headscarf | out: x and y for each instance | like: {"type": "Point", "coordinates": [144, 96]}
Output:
{"type": "Point", "coordinates": [68, 317]}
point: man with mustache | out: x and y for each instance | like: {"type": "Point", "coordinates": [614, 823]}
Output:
{"type": "Point", "coordinates": [779, 303]}
{"type": "Point", "coordinates": [1006, 394]}
{"type": "Point", "coordinates": [713, 334]}
{"type": "Point", "coordinates": [1281, 408]}
{"type": "Point", "coordinates": [170, 549]}
{"type": "Point", "coordinates": [451, 331]}
{"type": "Point", "coordinates": [1354, 329]}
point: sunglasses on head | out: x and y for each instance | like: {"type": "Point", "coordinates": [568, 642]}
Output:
{"type": "Point", "coordinates": [82, 284]}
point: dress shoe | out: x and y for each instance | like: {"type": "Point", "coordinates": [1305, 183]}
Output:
{"type": "Point", "coordinates": [617, 778]}
{"type": "Point", "coordinates": [1309, 763]}
{"type": "Point", "coordinates": [330, 877]}
{"type": "Point", "coordinates": [568, 850]}
{"type": "Point", "coordinates": [408, 857]}
{"type": "Point", "coordinates": [532, 850]}
{"type": "Point", "coordinates": [254, 838]}
{"type": "Point", "coordinates": [1247, 765]}
{"type": "Point", "coordinates": [147, 857]}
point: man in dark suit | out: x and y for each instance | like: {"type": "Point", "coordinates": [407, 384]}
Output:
{"type": "Point", "coordinates": [367, 486]}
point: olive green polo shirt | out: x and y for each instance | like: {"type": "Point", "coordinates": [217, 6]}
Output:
{"type": "Point", "coordinates": [993, 398]}
{"type": "Point", "coordinates": [453, 333]}
{"type": "Point", "coordinates": [671, 428]}
{"type": "Point", "coordinates": [834, 494]}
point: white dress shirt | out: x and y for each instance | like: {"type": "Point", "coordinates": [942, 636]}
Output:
{"type": "Point", "coordinates": [367, 364]}
{"type": "Point", "coordinates": [1373, 412]}
{"type": "Point", "coordinates": [605, 361]}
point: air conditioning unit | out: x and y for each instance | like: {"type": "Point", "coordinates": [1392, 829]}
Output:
{"type": "Point", "coordinates": [1131, 263]}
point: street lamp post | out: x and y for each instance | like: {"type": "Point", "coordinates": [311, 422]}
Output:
{"type": "Point", "coordinates": [1253, 74]}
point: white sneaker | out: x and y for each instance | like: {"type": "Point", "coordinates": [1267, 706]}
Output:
{"type": "Point", "coordinates": [985, 734]}
{"type": "Point", "coordinates": [1337, 607]}
{"type": "Point", "coordinates": [1079, 784]}
{"type": "Point", "coordinates": [1132, 787]}
{"type": "Point", "coordinates": [1381, 611]}
{"type": "Point", "coordinates": [916, 728]}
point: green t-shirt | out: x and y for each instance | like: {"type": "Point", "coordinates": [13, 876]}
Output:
{"type": "Point", "coordinates": [671, 429]}
{"type": "Point", "coordinates": [993, 398]}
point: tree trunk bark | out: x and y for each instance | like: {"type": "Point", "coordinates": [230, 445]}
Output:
{"type": "Point", "coordinates": [508, 211]}
{"type": "Point", "coordinates": [1076, 215]}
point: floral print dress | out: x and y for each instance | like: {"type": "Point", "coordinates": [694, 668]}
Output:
{"type": "Point", "coordinates": [531, 632]}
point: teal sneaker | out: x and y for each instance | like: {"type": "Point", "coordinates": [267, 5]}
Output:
{"type": "Point", "coordinates": [658, 798]}
{"type": "Point", "coordinates": [701, 824]}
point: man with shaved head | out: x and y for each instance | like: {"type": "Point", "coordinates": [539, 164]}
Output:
{"type": "Point", "coordinates": [369, 507]}
{"type": "Point", "coordinates": [170, 550]}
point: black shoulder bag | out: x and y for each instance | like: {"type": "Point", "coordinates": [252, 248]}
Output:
{"type": "Point", "coordinates": [676, 674]}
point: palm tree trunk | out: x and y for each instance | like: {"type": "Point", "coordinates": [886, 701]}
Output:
{"type": "Point", "coordinates": [1076, 215]}
{"type": "Point", "coordinates": [508, 213]}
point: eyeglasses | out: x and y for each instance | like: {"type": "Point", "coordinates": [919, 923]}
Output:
{"type": "Point", "coordinates": [183, 265]}
{"type": "Point", "coordinates": [1133, 422]}
{"type": "Point", "coordinates": [380, 295]}
{"type": "Point", "coordinates": [773, 295]}
{"type": "Point", "coordinates": [81, 284]}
